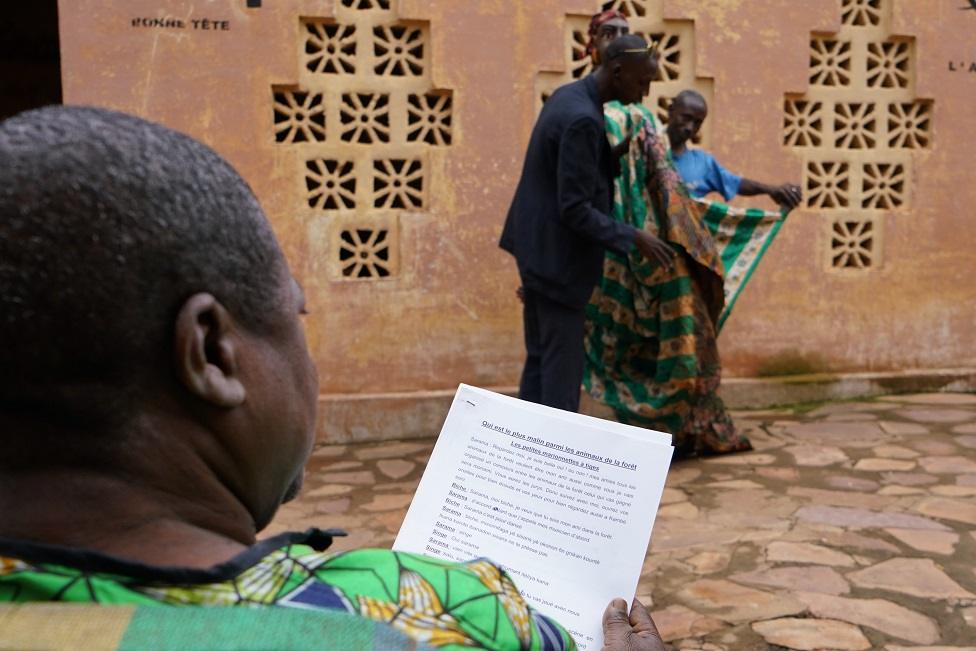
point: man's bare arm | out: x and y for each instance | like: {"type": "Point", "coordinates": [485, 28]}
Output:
{"type": "Point", "coordinates": [787, 195]}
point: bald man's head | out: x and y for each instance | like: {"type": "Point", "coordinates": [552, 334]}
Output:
{"type": "Point", "coordinates": [691, 98]}
{"type": "Point", "coordinates": [629, 69]}
{"type": "Point", "coordinates": [686, 114]}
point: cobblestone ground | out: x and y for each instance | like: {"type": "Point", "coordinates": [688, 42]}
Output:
{"type": "Point", "coordinates": [852, 526]}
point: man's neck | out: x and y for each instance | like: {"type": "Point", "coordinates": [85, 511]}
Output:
{"type": "Point", "coordinates": [604, 84]}
{"type": "Point", "coordinates": [193, 525]}
{"type": "Point", "coordinates": [679, 149]}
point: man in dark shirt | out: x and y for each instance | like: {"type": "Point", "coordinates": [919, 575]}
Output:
{"type": "Point", "coordinates": [559, 227]}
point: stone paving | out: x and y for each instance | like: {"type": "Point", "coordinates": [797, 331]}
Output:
{"type": "Point", "coordinates": [851, 526]}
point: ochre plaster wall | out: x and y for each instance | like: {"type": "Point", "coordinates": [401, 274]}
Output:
{"type": "Point", "coordinates": [447, 312]}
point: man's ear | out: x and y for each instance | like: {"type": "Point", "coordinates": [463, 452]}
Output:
{"type": "Point", "coordinates": [206, 352]}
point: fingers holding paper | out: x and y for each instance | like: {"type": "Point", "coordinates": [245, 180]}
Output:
{"type": "Point", "coordinates": [629, 632]}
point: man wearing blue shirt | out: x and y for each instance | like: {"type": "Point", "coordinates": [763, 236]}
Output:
{"type": "Point", "coordinates": [699, 169]}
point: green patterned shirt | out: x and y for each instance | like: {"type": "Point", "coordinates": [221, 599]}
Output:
{"type": "Point", "coordinates": [443, 604]}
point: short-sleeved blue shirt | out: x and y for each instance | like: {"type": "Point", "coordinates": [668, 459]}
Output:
{"type": "Point", "coordinates": [702, 174]}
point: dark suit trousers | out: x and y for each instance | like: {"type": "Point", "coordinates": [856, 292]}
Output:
{"type": "Point", "coordinates": [554, 352]}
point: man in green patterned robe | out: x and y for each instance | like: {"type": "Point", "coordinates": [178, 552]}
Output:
{"type": "Point", "coordinates": [651, 333]}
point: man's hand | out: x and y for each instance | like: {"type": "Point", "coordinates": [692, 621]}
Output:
{"type": "Point", "coordinates": [786, 195]}
{"type": "Point", "coordinates": [635, 632]}
{"type": "Point", "coordinates": [621, 148]}
{"type": "Point", "coordinates": [653, 248]}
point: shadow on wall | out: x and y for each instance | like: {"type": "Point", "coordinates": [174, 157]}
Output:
{"type": "Point", "coordinates": [30, 61]}
{"type": "Point", "coordinates": [792, 362]}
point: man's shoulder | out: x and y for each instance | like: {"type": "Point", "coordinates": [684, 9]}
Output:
{"type": "Point", "coordinates": [574, 102]}
{"type": "Point", "coordinates": [383, 582]}
{"type": "Point", "coordinates": [695, 156]}
{"type": "Point", "coordinates": [569, 90]}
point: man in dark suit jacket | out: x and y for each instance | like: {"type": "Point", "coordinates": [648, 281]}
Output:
{"type": "Point", "coordinates": [559, 227]}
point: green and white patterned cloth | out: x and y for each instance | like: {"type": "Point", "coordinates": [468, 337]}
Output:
{"type": "Point", "coordinates": [742, 236]}
{"type": "Point", "coordinates": [651, 335]}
